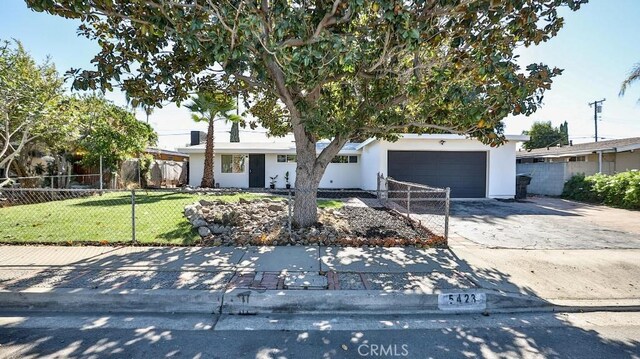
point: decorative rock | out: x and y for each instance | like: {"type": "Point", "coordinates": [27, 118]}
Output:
{"type": "Point", "coordinates": [198, 222]}
{"type": "Point", "coordinates": [264, 222]}
{"type": "Point", "coordinates": [190, 211]}
{"type": "Point", "coordinates": [206, 203]}
{"type": "Point", "coordinates": [217, 229]}
{"type": "Point", "coordinates": [204, 231]}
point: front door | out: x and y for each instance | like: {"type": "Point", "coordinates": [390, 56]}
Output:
{"type": "Point", "coordinates": [256, 170]}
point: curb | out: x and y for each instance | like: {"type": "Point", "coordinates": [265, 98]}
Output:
{"type": "Point", "coordinates": [249, 302]}
{"type": "Point", "coordinates": [252, 302]}
{"type": "Point", "coordinates": [130, 300]}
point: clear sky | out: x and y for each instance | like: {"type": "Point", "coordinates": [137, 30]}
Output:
{"type": "Point", "coordinates": [597, 47]}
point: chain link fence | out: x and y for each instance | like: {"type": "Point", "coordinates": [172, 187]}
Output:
{"type": "Point", "coordinates": [206, 217]}
{"type": "Point", "coordinates": [425, 204]}
{"type": "Point", "coordinates": [84, 181]}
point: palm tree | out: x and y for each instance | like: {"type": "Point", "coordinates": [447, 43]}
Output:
{"type": "Point", "coordinates": [634, 75]}
{"type": "Point", "coordinates": [207, 107]}
{"type": "Point", "coordinates": [148, 110]}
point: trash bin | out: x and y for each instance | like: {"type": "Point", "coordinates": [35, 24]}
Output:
{"type": "Point", "coordinates": [522, 181]}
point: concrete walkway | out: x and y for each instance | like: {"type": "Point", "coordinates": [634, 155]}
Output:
{"type": "Point", "coordinates": [311, 279]}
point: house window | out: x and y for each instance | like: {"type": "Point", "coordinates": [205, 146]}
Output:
{"type": "Point", "coordinates": [578, 159]}
{"type": "Point", "coordinates": [286, 158]}
{"type": "Point", "coordinates": [345, 159]}
{"type": "Point", "coordinates": [232, 163]}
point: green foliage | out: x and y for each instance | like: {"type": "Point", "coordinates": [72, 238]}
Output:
{"type": "Point", "coordinates": [31, 101]}
{"type": "Point", "coordinates": [35, 110]}
{"type": "Point", "coordinates": [208, 106]}
{"type": "Point", "coordinates": [145, 161]}
{"type": "Point", "coordinates": [619, 190]}
{"type": "Point", "coordinates": [543, 134]}
{"type": "Point", "coordinates": [107, 130]}
{"type": "Point", "coordinates": [327, 69]}
{"type": "Point", "coordinates": [345, 68]}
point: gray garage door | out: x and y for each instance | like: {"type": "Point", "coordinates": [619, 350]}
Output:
{"type": "Point", "coordinates": [464, 172]}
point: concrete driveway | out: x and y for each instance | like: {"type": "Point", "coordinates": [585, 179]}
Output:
{"type": "Point", "coordinates": [544, 223]}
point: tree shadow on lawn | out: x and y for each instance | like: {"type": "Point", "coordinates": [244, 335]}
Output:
{"type": "Point", "coordinates": [183, 234]}
{"type": "Point", "coordinates": [141, 198]}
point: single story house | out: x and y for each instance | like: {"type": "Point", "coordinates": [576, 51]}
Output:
{"type": "Point", "coordinates": [551, 167]}
{"type": "Point", "coordinates": [470, 168]}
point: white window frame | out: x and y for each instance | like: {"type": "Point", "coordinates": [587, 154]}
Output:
{"type": "Point", "coordinates": [287, 158]}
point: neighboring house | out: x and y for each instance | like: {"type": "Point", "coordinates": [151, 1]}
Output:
{"type": "Point", "coordinates": [469, 168]}
{"type": "Point", "coordinates": [551, 167]}
{"type": "Point", "coordinates": [166, 155]}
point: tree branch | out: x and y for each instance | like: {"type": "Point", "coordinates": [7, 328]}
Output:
{"type": "Point", "coordinates": [332, 149]}
{"type": "Point", "coordinates": [415, 124]}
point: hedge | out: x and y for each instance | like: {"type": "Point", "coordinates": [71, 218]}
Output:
{"type": "Point", "coordinates": [619, 190]}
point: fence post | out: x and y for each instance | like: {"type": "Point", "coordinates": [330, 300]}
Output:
{"type": "Point", "coordinates": [446, 215]}
{"type": "Point", "coordinates": [289, 209]}
{"type": "Point", "coordinates": [408, 201]}
{"type": "Point", "coordinates": [378, 186]}
{"type": "Point", "coordinates": [101, 173]}
{"type": "Point", "coordinates": [133, 215]}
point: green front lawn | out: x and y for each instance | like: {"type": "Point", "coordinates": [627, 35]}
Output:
{"type": "Point", "coordinates": [107, 218]}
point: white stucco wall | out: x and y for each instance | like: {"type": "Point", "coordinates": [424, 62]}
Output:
{"type": "Point", "coordinates": [196, 169]}
{"type": "Point", "coordinates": [501, 176]}
{"type": "Point", "coordinates": [337, 175]}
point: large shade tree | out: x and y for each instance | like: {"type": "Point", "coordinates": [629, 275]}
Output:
{"type": "Point", "coordinates": [31, 100]}
{"type": "Point", "coordinates": [105, 130]}
{"type": "Point", "coordinates": [209, 107]}
{"type": "Point", "coordinates": [328, 69]}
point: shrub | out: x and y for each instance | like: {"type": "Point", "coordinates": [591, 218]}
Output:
{"type": "Point", "coordinates": [619, 190]}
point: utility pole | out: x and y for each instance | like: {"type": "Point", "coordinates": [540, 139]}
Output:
{"type": "Point", "coordinates": [597, 108]}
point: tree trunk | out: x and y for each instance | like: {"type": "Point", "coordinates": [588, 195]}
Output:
{"type": "Point", "coordinates": [305, 208]}
{"type": "Point", "coordinates": [235, 132]}
{"type": "Point", "coordinates": [309, 171]}
{"type": "Point", "coordinates": [207, 176]}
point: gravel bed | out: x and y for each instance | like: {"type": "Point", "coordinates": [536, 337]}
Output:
{"type": "Point", "coordinates": [370, 222]}
{"type": "Point", "coordinates": [264, 222]}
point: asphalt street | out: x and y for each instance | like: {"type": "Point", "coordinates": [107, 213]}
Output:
{"type": "Point", "coordinates": [546, 335]}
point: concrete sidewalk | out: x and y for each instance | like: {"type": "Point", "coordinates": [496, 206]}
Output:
{"type": "Point", "coordinates": [301, 279]}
